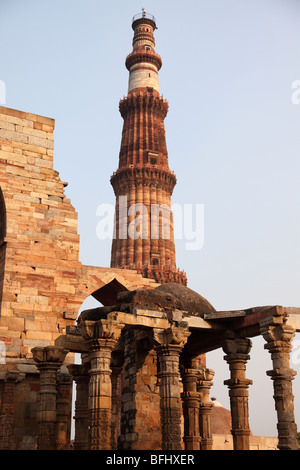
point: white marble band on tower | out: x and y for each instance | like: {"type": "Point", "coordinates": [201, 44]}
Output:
{"type": "Point", "coordinates": [143, 75]}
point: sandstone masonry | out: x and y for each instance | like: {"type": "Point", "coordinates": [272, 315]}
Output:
{"type": "Point", "coordinates": [42, 281]}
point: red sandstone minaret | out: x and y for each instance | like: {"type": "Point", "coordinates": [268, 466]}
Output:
{"type": "Point", "coordinates": [143, 184]}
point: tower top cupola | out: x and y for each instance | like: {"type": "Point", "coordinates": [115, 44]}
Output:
{"type": "Point", "coordinates": [144, 18]}
{"type": "Point", "coordinates": [143, 62]}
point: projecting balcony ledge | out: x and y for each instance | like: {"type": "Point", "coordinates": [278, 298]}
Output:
{"type": "Point", "coordinates": [143, 56]}
{"type": "Point", "coordinates": [144, 18]}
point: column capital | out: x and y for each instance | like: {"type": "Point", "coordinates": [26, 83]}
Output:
{"type": "Point", "coordinates": [78, 371]}
{"type": "Point", "coordinates": [236, 346]}
{"type": "Point", "coordinates": [172, 337]}
{"type": "Point", "coordinates": [101, 333]}
{"type": "Point", "coordinates": [14, 376]}
{"type": "Point", "coordinates": [277, 334]}
{"type": "Point", "coordinates": [49, 354]}
{"type": "Point", "coordinates": [206, 375]}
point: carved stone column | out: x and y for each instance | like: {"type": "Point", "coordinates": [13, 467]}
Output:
{"type": "Point", "coordinates": [102, 337]}
{"type": "Point", "coordinates": [237, 350]}
{"type": "Point", "coordinates": [278, 336]}
{"type": "Point", "coordinates": [49, 360]}
{"type": "Point", "coordinates": [204, 385]}
{"type": "Point", "coordinates": [81, 377]}
{"type": "Point", "coordinates": [140, 417]}
{"type": "Point", "coordinates": [63, 411]}
{"type": "Point", "coordinates": [171, 342]}
{"type": "Point", "coordinates": [191, 402]}
{"type": "Point", "coordinates": [116, 367]}
{"type": "Point", "coordinates": [7, 439]}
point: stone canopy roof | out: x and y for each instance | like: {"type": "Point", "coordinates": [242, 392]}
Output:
{"type": "Point", "coordinates": [164, 298]}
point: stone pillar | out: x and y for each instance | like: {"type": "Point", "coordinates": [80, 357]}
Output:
{"type": "Point", "coordinates": [140, 417]}
{"type": "Point", "coordinates": [204, 385]}
{"type": "Point", "coordinates": [237, 354]}
{"type": "Point", "coordinates": [191, 401]}
{"type": "Point", "coordinates": [7, 439]}
{"type": "Point", "coordinates": [49, 360]}
{"type": "Point", "coordinates": [170, 344]}
{"type": "Point", "coordinates": [63, 411]}
{"type": "Point", "coordinates": [116, 368]}
{"type": "Point", "coordinates": [81, 377]}
{"type": "Point", "coordinates": [102, 337]}
{"type": "Point", "coordinates": [278, 336]}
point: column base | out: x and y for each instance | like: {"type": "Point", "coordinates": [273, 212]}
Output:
{"type": "Point", "coordinates": [192, 443]}
{"type": "Point", "coordinates": [288, 436]}
{"type": "Point", "coordinates": [206, 444]}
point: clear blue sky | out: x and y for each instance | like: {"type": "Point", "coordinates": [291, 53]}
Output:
{"type": "Point", "coordinates": [232, 135]}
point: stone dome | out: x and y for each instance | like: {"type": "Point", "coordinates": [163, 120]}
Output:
{"type": "Point", "coordinates": [164, 298]}
{"type": "Point", "coordinates": [192, 302]}
{"type": "Point", "coordinates": [220, 419]}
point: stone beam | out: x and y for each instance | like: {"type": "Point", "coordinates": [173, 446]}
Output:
{"type": "Point", "coordinates": [74, 342]}
{"type": "Point", "coordinates": [245, 321]}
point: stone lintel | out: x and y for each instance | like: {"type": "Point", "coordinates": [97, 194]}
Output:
{"type": "Point", "coordinates": [225, 315]}
{"type": "Point", "coordinates": [72, 342]}
{"type": "Point", "coordinates": [198, 323]}
{"type": "Point", "coordinates": [141, 318]}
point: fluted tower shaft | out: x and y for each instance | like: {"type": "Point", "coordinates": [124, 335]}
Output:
{"type": "Point", "coordinates": [143, 183]}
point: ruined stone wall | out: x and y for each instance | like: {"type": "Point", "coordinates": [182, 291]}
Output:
{"type": "Point", "coordinates": [42, 282]}
{"type": "Point", "coordinates": [42, 244]}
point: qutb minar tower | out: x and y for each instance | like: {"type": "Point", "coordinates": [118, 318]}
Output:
{"type": "Point", "coordinates": [143, 183]}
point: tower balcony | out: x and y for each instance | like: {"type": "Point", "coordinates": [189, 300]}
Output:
{"type": "Point", "coordinates": [143, 18]}
{"type": "Point", "coordinates": [142, 54]}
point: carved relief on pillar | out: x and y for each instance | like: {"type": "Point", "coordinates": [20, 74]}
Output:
{"type": "Point", "coordinates": [169, 346]}
{"type": "Point", "coordinates": [49, 360]}
{"type": "Point", "coordinates": [7, 409]}
{"type": "Point", "coordinates": [279, 335]}
{"type": "Point", "coordinates": [102, 337]}
{"type": "Point", "coordinates": [237, 354]}
{"type": "Point", "coordinates": [191, 402]}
